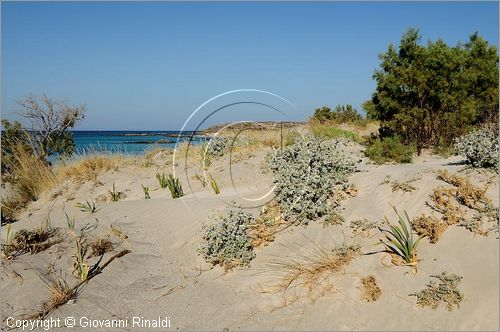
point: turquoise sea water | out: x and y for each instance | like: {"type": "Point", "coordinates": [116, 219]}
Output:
{"type": "Point", "coordinates": [129, 142]}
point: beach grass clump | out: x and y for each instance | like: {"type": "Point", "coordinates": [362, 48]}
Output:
{"type": "Point", "coordinates": [389, 150]}
{"type": "Point", "coordinates": [114, 195]}
{"type": "Point", "coordinates": [88, 206]}
{"type": "Point", "coordinates": [443, 292]}
{"type": "Point", "coordinates": [61, 293]}
{"type": "Point", "coordinates": [162, 180]}
{"type": "Point", "coordinates": [227, 241]}
{"type": "Point", "coordinates": [100, 245]}
{"type": "Point", "coordinates": [370, 290]}
{"type": "Point", "coordinates": [29, 177]}
{"type": "Point", "coordinates": [399, 241]}
{"type": "Point", "coordinates": [312, 270]}
{"type": "Point", "coordinates": [31, 241]}
{"type": "Point", "coordinates": [10, 208]}
{"type": "Point", "coordinates": [306, 176]}
{"type": "Point", "coordinates": [174, 186]}
{"type": "Point", "coordinates": [480, 148]}
{"type": "Point", "coordinates": [87, 168]}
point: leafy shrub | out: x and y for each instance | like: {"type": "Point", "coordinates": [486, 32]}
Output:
{"type": "Point", "coordinates": [480, 147]}
{"type": "Point", "coordinates": [389, 149]}
{"type": "Point", "coordinates": [227, 242]}
{"type": "Point", "coordinates": [415, 99]}
{"type": "Point", "coordinates": [445, 292]}
{"type": "Point", "coordinates": [341, 114]}
{"type": "Point", "coordinates": [217, 146]}
{"type": "Point", "coordinates": [306, 175]}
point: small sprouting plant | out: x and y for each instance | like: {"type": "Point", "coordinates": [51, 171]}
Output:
{"type": "Point", "coordinates": [89, 206]}
{"type": "Point", "coordinates": [162, 180]}
{"type": "Point", "coordinates": [70, 221]}
{"type": "Point", "coordinates": [146, 192]}
{"type": "Point", "coordinates": [115, 196]}
{"type": "Point", "coordinates": [175, 187]}
{"type": "Point", "coordinates": [81, 268]}
{"type": "Point", "coordinates": [6, 247]}
{"type": "Point", "coordinates": [201, 179]}
{"type": "Point", "coordinates": [444, 292]}
{"type": "Point", "coordinates": [399, 240]}
{"type": "Point", "coordinates": [214, 185]}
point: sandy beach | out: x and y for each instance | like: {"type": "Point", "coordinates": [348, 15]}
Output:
{"type": "Point", "coordinates": [164, 274]}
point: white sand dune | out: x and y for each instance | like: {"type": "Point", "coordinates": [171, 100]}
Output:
{"type": "Point", "coordinates": [165, 276]}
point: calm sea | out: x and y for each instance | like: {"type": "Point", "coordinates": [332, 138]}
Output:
{"type": "Point", "coordinates": [129, 142]}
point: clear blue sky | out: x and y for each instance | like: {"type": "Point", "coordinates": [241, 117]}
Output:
{"type": "Point", "coordinates": [143, 66]}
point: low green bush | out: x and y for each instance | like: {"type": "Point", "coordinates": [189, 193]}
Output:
{"type": "Point", "coordinates": [330, 131]}
{"type": "Point", "coordinates": [306, 175]}
{"type": "Point", "coordinates": [389, 149]}
{"type": "Point", "coordinates": [480, 147]}
{"type": "Point", "coordinates": [226, 242]}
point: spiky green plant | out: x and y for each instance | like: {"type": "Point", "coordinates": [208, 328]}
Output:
{"type": "Point", "coordinates": [162, 180]}
{"type": "Point", "coordinates": [80, 266]}
{"type": "Point", "coordinates": [89, 206]}
{"type": "Point", "coordinates": [146, 192]}
{"type": "Point", "coordinates": [399, 239]}
{"type": "Point", "coordinates": [70, 221]}
{"type": "Point", "coordinates": [214, 185]}
{"type": "Point", "coordinates": [115, 196]}
{"type": "Point", "coordinates": [175, 187]}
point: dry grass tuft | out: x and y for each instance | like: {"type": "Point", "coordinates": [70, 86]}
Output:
{"type": "Point", "coordinates": [100, 245]}
{"type": "Point", "coordinates": [429, 226]}
{"type": "Point", "coordinates": [444, 202]}
{"type": "Point", "coordinates": [444, 292]}
{"type": "Point", "coordinates": [312, 271]}
{"type": "Point", "coordinates": [61, 294]}
{"type": "Point", "coordinates": [466, 193]}
{"type": "Point", "coordinates": [30, 178]}
{"type": "Point", "coordinates": [370, 292]}
{"type": "Point", "coordinates": [88, 168]}
{"type": "Point", "coordinates": [404, 186]}
{"type": "Point", "coordinates": [454, 202]}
